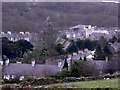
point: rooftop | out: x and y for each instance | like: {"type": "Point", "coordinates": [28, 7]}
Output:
{"type": "Point", "coordinates": [28, 69]}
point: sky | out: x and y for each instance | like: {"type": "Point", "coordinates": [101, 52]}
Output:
{"type": "Point", "coordinates": [58, 0]}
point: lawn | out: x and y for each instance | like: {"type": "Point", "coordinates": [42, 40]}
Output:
{"type": "Point", "coordinates": [111, 83]}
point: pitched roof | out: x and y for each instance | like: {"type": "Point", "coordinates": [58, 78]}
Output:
{"type": "Point", "coordinates": [28, 70]}
{"type": "Point", "coordinates": [100, 64]}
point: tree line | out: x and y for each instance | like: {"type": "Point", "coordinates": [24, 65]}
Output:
{"type": "Point", "coordinates": [30, 17]}
{"type": "Point", "coordinates": [16, 49]}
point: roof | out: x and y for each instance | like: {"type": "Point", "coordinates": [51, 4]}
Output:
{"type": "Point", "coordinates": [79, 26]}
{"type": "Point", "coordinates": [28, 70]}
{"type": "Point", "coordinates": [116, 46]}
{"type": "Point", "coordinates": [100, 64]}
{"type": "Point", "coordinates": [101, 31]}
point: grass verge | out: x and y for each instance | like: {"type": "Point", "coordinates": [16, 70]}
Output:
{"type": "Point", "coordinates": [111, 83]}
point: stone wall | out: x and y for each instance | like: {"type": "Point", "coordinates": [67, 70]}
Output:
{"type": "Point", "coordinates": [46, 81]}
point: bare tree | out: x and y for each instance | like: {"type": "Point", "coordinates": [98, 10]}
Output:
{"type": "Point", "coordinates": [113, 65]}
{"type": "Point", "coordinates": [48, 38]}
{"type": "Point", "coordinates": [89, 70]}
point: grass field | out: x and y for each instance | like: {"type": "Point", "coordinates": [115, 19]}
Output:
{"type": "Point", "coordinates": [111, 83]}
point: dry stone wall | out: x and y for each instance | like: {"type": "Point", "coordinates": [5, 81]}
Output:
{"type": "Point", "coordinates": [46, 81]}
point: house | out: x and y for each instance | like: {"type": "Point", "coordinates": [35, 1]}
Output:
{"type": "Point", "coordinates": [61, 64]}
{"type": "Point", "coordinates": [97, 64]}
{"type": "Point", "coordinates": [66, 44]}
{"type": "Point", "coordinates": [1, 62]}
{"type": "Point", "coordinates": [102, 31]}
{"type": "Point", "coordinates": [19, 70]}
{"type": "Point", "coordinates": [115, 47]}
{"type": "Point", "coordinates": [87, 29]}
{"type": "Point", "coordinates": [31, 37]}
{"type": "Point", "coordinates": [82, 54]}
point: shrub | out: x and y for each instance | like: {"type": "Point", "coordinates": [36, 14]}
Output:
{"type": "Point", "coordinates": [82, 68]}
{"type": "Point", "coordinates": [28, 79]}
{"type": "Point", "coordinates": [75, 70]}
{"type": "Point", "coordinates": [59, 49]}
{"type": "Point", "coordinates": [6, 81]}
{"type": "Point", "coordinates": [62, 74]}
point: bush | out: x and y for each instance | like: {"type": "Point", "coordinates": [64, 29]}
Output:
{"type": "Point", "coordinates": [15, 80]}
{"type": "Point", "coordinates": [6, 81]}
{"type": "Point", "coordinates": [28, 79]}
{"type": "Point", "coordinates": [62, 74]}
{"type": "Point", "coordinates": [59, 49]}
{"type": "Point", "coordinates": [82, 68]}
{"type": "Point", "coordinates": [16, 59]}
{"type": "Point", "coordinates": [75, 72]}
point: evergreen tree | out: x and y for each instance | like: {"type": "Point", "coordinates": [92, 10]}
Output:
{"type": "Point", "coordinates": [99, 54]}
{"type": "Point", "coordinates": [106, 50]}
{"type": "Point", "coordinates": [65, 65]}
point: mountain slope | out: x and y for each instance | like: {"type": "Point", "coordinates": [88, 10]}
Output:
{"type": "Point", "coordinates": [32, 16]}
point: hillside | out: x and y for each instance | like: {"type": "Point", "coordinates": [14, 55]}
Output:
{"type": "Point", "coordinates": [32, 16]}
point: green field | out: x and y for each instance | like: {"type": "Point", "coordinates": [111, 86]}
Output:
{"type": "Point", "coordinates": [111, 83]}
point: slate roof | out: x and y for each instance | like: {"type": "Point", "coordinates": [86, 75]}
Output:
{"type": "Point", "coordinates": [100, 64]}
{"type": "Point", "coordinates": [79, 26]}
{"type": "Point", "coordinates": [28, 70]}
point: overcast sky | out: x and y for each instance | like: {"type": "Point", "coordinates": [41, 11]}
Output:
{"type": "Point", "coordinates": [56, 1]}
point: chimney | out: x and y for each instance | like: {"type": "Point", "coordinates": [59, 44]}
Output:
{"type": "Point", "coordinates": [2, 33]}
{"type": "Point", "coordinates": [9, 32]}
{"type": "Point", "coordinates": [19, 62]}
{"type": "Point", "coordinates": [60, 65]}
{"type": "Point", "coordinates": [27, 32]}
{"type": "Point", "coordinates": [106, 59]}
{"type": "Point", "coordinates": [69, 61]}
{"type": "Point", "coordinates": [33, 63]}
{"type": "Point", "coordinates": [1, 63]}
{"type": "Point", "coordinates": [22, 33]}
{"type": "Point", "coordinates": [89, 27]}
{"type": "Point", "coordinates": [7, 62]}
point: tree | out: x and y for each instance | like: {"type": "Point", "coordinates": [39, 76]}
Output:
{"type": "Point", "coordinates": [82, 68]}
{"type": "Point", "coordinates": [80, 44]}
{"type": "Point", "coordinates": [89, 69]}
{"type": "Point", "coordinates": [6, 40]}
{"type": "Point", "coordinates": [102, 41]}
{"type": "Point", "coordinates": [65, 65]}
{"type": "Point", "coordinates": [9, 48]}
{"type": "Point", "coordinates": [72, 48]}
{"type": "Point", "coordinates": [84, 59]}
{"type": "Point", "coordinates": [106, 50]}
{"type": "Point", "coordinates": [111, 67]}
{"type": "Point", "coordinates": [89, 44]}
{"type": "Point", "coordinates": [75, 68]}
{"type": "Point", "coordinates": [15, 49]}
{"type": "Point", "coordinates": [114, 39]}
{"type": "Point", "coordinates": [24, 46]}
{"type": "Point", "coordinates": [40, 54]}
{"type": "Point", "coordinates": [47, 40]}
{"type": "Point", "coordinates": [59, 49]}
{"type": "Point", "coordinates": [99, 54]}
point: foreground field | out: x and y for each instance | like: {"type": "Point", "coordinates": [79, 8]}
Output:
{"type": "Point", "coordinates": [111, 83]}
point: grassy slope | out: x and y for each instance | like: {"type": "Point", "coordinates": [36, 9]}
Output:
{"type": "Point", "coordinates": [112, 83]}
